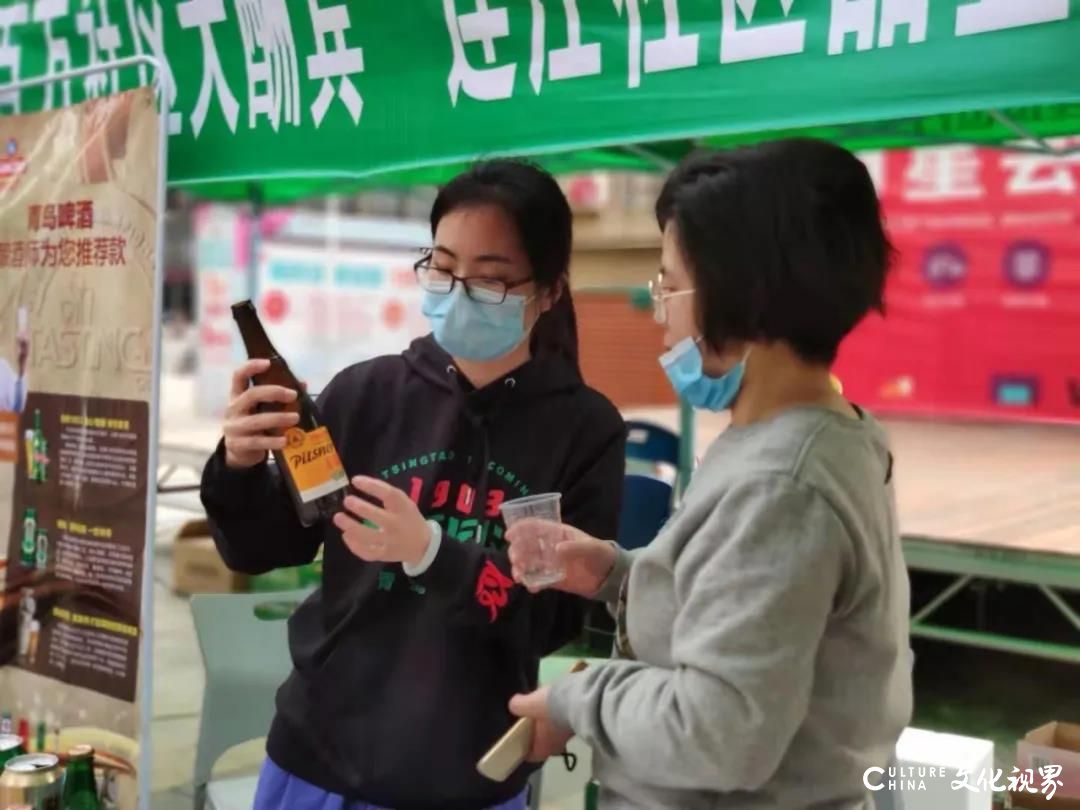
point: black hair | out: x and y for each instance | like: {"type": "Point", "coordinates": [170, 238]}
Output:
{"type": "Point", "coordinates": [534, 201]}
{"type": "Point", "coordinates": [784, 241]}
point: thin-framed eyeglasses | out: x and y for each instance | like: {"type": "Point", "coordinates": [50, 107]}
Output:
{"type": "Point", "coordinates": [481, 289]}
{"type": "Point", "coordinates": [659, 299]}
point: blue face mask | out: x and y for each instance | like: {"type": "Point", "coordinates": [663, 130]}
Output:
{"type": "Point", "coordinates": [475, 331]}
{"type": "Point", "coordinates": [683, 366]}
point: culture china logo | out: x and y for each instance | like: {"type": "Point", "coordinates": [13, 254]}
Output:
{"type": "Point", "coordinates": [914, 779]}
{"type": "Point", "coordinates": [12, 165]}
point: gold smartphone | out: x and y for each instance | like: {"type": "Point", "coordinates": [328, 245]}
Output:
{"type": "Point", "coordinates": [508, 754]}
{"type": "Point", "coordinates": [512, 749]}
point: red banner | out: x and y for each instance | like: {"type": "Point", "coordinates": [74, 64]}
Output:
{"type": "Point", "coordinates": [984, 304]}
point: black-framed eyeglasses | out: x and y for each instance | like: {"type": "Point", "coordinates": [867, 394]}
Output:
{"type": "Point", "coordinates": [481, 289]}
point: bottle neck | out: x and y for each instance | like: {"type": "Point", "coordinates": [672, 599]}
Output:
{"type": "Point", "coordinates": [80, 775]}
{"type": "Point", "coordinates": [256, 341]}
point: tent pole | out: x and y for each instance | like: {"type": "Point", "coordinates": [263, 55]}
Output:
{"type": "Point", "coordinates": [255, 198]}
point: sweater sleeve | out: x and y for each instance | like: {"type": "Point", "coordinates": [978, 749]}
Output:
{"type": "Point", "coordinates": [757, 583]}
{"type": "Point", "coordinates": [476, 581]}
{"type": "Point", "coordinates": [251, 515]}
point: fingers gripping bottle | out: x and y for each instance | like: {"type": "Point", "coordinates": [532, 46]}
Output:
{"type": "Point", "coordinates": [309, 463]}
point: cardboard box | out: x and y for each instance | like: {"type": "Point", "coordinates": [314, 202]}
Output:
{"type": "Point", "coordinates": [197, 566]}
{"type": "Point", "coordinates": [1038, 801]}
{"type": "Point", "coordinates": [1058, 744]}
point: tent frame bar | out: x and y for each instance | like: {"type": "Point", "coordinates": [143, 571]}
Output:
{"type": "Point", "coordinates": [662, 163]}
{"type": "Point", "coordinates": [1031, 142]}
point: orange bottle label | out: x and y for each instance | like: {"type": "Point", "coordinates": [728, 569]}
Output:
{"type": "Point", "coordinates": [313, 462]}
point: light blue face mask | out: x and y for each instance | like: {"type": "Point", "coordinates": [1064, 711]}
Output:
{"type": "Point", "coordinates": [685, 372]}
{"type": "Point", "coordinates": [475, 331]}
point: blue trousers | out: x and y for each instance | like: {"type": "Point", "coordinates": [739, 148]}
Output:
{"type": "Point", "coordinates": [280, 790]}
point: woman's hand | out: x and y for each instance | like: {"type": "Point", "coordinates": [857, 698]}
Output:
{"type": "Point", "coordinates": [586, 560]}
{"type": "Point", "coordinates": [249, 435]}
{"type": "Point", "coordinates": [399, 532]}
{"type": "Point", "coordinates": [548, 740]}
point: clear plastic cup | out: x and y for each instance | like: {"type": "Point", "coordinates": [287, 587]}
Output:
{"type": "Point", "coordinates": [538, 537]}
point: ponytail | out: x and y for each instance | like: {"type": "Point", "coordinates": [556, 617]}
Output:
{"type": "Point", "coordinates": [556, 332]}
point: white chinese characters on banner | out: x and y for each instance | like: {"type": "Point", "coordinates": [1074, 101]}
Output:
{"type": "Point", "coordinates": [57, 51]}
{"type": "Point", "coordinates": [338, 62]}
{"type": "Point", "coordinates": [1043, 174]}
{"type": "Point", "coordinates": [202, 14]}
{"type": "Point", "coordinates": [672, 51]}
{"type": "Point", "coordinates": [482, 67]}
{"type": "Point", "coordinates": [944, 173]}
{"type": "Point", "coordinates": [571, 61]}
{"type": "Point", "coordinates": [981, 16]}
{"type": "Point", "coordinates": [859, 17]}
{"type": "Point", "coordinates": [11, 54]}
{"type": "Point", "coordinates": [103, 45]}
{"type": "Point", "coordinates": [152, 31]}
{"type": "Point", "coordinates": [484, 25]}
{"type": "Point", "coordinates": [273, 75]}
{"type": "Point", "coordinates": [740, 43]}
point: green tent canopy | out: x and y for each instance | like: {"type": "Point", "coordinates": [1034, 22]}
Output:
{"type": "Point", "coordinates": [286, 98]}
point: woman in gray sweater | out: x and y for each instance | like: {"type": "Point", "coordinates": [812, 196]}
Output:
{"type": "Point", "coordinates": [762, 657]}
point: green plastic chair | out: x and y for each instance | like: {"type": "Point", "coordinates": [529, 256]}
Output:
{"type": "Point", "coordinates": [244, 644]}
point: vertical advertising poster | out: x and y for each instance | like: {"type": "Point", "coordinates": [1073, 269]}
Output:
{"type": "Point", "coordinates": [78, 199]}
{"type": "Point", "coordinates": [221, 264]}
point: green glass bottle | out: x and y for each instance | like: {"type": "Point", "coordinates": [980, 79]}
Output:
{"type": "Point", "coordinates": [80, 786]}
{"type": "Point", "coordinates": [38, 470]}
{"type": "Point", "coordinates": [28, 549]}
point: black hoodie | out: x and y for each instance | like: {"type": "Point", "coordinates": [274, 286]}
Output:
{"type": "Point", "coordinates": [400, 685]}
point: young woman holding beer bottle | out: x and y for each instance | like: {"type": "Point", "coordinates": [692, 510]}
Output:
{"type": "Point", "coordinates": [406, 657]}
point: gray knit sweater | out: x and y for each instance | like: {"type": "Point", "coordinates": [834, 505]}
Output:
{"type": "Point", "coordinates": [763, 658]}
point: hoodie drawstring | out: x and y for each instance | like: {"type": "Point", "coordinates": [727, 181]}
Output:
{"type": "Point", "coordinates": [481, 451]}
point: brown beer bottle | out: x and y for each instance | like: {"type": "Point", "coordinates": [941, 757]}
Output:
{"type": "Point", "coordinates": [309, 463]}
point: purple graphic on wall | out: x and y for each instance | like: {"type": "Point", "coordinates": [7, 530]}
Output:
{"type": "Point", "coordinates": [1027, 264]}
{"type": "Point", "coordinates": [945, 266]}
